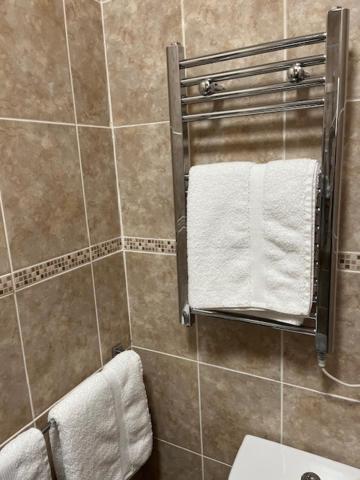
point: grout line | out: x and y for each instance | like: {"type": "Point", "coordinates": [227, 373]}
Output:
{"type": "Point", "coordinates": [49, 122]}
{"type": "Point", "coordinates": [33, 422]}
{"type": "Point", "coordinates": [199, 399]}
{"type": "Point", "coordinates": [16, 306]}
{"type": "Point", "coordinates": [352, 100]}
{"type": "Point", "coordinates": [108, 84]}
{"type": "Point", "coordinates": [162, 122]}
{"type": "Point", "coordinates": [190, 451]}
{"type": "Point", "coordinates": [82, 181]}
{"type": "Point", "coordinates": [240, 372]}
{"type": "Point", "coordinates": [182, 9]}
{"type": "Point", "coordinates": [150, 253]}
{"type": "Point", "coordinates": [178, 446]}
{"type": "Point", "coordinates": [164, 353]}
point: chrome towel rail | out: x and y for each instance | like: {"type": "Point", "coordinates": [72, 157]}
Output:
{"type": "Point", "coordinates": [254, 50]}
{"type": "Point", "coordinates": [257, 70]}
{"type": "Point", "coordinates": [332, 100]}
{"type": "Point", "coordinates": [245, 112]}
{"type": "Point", "coordinates": [253, 91]}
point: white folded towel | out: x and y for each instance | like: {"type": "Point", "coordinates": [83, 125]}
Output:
{"type": "Point", "coordinates": [25, 458]}
{"type": "Point", "coordinates": [102, 429]}
{"type": "Point", "coordinates": [251, 236]}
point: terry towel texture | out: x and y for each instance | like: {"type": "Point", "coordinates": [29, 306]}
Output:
{"type": "Point", "coordinates": [25, 458]}
{"type": "Point", "coordinates": [102, 429]}
{"type": "Point", "coordinates": [251, 235]}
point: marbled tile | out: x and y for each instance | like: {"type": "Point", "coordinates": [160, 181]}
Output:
{"type": "Point", "coordinates": [172, 389]}
{"type": "Point", "coordinates": [144, 166]}
{"type": "Point", "coordinates": [88, 67]}
{"type": "Point", "coordinates": [300, 363]}
{"type": "Point", "coordinates": [60, 335]}
{"type": "Point", "coordinates": [350, 198]}
{"type": "Point", "coordinates": [171, 463]}
{"type": "Point", "coordinates": [15, 409]}
{"type": "Point", "coordinates": [323, 425]}
{"type": "Point", "coordinates": [215, 470]}
{"type": "Point", "coordinates": [97, 158]}
{"type": "Point", "coordinates": [239, 346]}
{"type": "Point", "coordinates": [41, 190]}
{"type": "Point", "coordinates": [154, 313]}
{"type": "Point", "coordinates": [4, 259]}
{"type": "Point", "coordinates": [137, 33]}
{"type": "Point", "coordinates": [112, 303]}
{"type": "Point", "coordinates": [234, 405]}
{"type": "Point", "coordinates": [34, 77]}
{"type": "Point", "coordinates": [315, 12]}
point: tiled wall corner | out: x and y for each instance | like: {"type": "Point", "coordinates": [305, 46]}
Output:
{"type": "Point", "coordinates": [64, 269]}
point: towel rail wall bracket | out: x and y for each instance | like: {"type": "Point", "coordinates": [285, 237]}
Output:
{"type": "Point", "coordinates": [333, 101]}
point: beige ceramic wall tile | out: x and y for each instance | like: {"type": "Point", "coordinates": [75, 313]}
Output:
{"type": "Point", "coordinates": [144, 166]}
{"type": "Point", "coordinates": [86, 44]}
{"type": "Point", "coordinates": [137, 33]}
{"type": "Point", "coordinates": [300, 363]}
{"type": "Point", "coordinates": [349, 226]}
{"type": "Point", "coordinates": [215, 471]}
{"type": "Point", "coordinates": [97, 158]}
{"type": "Point", "coordinates": [154, 306]}
{"type": "Point", "coordinates": [41, 190]}
{"type": "Point", "coordinates": [315, 13]}
{"type": "Point", "coordinates": [234, 405]}
{"type": "Point", "coordinates": [60, 335]}
{"type": "Point", "coordinates": [171, 463]}
{"type": "Point", "coordinates": [4, 259]}
{"type": "Point", "coordinates": [112, 303]}
{"type": "Point", "coordinates": [172, 389]}
{"type": "Point", "coordinates": [239, 346]}
{"type": "Point", "coordinates": [34, 77]}
{"type": "Point", "coordinates": [323, 425]}
{"type": "Point", "coordinates": [15, 409]}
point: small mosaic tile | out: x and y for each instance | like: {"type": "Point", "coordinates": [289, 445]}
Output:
{"type": "Point", "coordinates": [6, 285]}
{"type": "Point", "coordinates": [105, 248]}
{"type": "Point", "coordinates": [41, 271]}
{"type": "Point", "coordinates": [349, 261]}
{"type": "Point", "coordinates": [149, 245]}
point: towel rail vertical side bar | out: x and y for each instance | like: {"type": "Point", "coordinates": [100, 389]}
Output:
{"type": "Point", "coordinates": [180, 166]}
{"type": "Point", "coordinates": [332, 153]}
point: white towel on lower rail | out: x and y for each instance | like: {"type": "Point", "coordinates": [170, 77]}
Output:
{"type": "Point", "coordinates": [25, 458]}
{"type": "Point", "coordinates": [102, 429]}
{"type": "Point", "coordinates": [251, 236]}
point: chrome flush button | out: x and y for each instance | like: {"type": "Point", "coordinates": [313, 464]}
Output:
{"type": "Point", "coordinates": [310, 476]}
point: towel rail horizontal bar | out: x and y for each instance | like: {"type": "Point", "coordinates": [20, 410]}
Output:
{"type": "Point", "coordinates": [250, 92]}
{"type": "Point", "coordinates": [254, 50]}
{"type": "Point", "coordinates": [255, 321]}
{"type": "Point", "coordinates": [264, 109]}
{"type": "Point", "coordinates": [257, 70]}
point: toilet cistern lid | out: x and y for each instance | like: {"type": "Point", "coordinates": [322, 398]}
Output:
{"type": "Point", "coordinates": [259, 459]}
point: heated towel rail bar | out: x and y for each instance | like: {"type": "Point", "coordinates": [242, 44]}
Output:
{"type": "Point", "coordinates": [321, 321]}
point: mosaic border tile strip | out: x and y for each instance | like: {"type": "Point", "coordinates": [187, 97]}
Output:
{"type": "Point", "coordinates": [105, 248]}
{"type": "Point", "coordinates": [6, 285]}
{"type": "Point", "coordinates": [49, 268]}
{"type": "Point", "coordinates": [153, 245]}
{"type": "Point", "coordinates": [349, 261]}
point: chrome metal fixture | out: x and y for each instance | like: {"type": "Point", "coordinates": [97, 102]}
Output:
{"type": "Point", "coordinates": [310, 476]}
{"type": "Point", "coordinates": [296, 73]}
{"type": "Point", "coordinates": [321, 320]}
